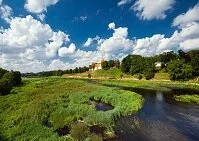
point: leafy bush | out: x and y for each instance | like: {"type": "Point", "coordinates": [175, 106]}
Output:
{"type": "Point", "coordinates": [8, 80]}
{"type": "Point", "coordinates": [2, 72]}
{"type": "Point", "coordinates": [5, 86]}
{"type": "Point", "coordinates": [178, 70]}
{"type": "Point", "coordinates": [89, 75]}
{"type": "Point", "coordinates": [138, 76]}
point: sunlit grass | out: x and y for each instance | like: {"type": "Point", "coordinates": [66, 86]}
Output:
{"type": "Point", "coordinates": [188, 98]}
{"type": "Point", "coordinates": [61, 102]}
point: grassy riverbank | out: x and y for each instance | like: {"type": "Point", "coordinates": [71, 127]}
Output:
{"type": "Point", "coordinates": [188, 98]}
{"type": "Point", "coordinates": [42, 106]}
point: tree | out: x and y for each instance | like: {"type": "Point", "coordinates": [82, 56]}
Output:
{"type": "Point", "coordinates": [137, 64]}
{"type": "Point", "coordinates": [105, 65]}
{"type": "Point", "coordinates": [2, 72]}
{"type": "Point", "coordinates": [117, 64]}
{"type": "Point", "coordinates": [5, 86]}
{"type": "Point", "coordinates": [168, 56]}
{"type": "Point", "coordinates": [111, 63]}
{"type": "Point", "coordinates": [17, 78]}
{"type": "Point", "coordinates": [76, 70]}
{"type": "Point", "coordinates": [178, 70]}
{"type": "Point", "coordinates": [194, 56]}
{"type": "Point", "coordinates": [126, 64]}
{"type": "Point", "coordinates": [183, 55]}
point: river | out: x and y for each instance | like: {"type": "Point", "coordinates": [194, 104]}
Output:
{"type": "Point", "coordinates": [161, 118]}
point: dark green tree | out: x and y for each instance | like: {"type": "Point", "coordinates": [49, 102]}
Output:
{"type": "Point", "coordinates": [117, 64]}
{"type": "Point", "coordinates": [105, 65]}
{"type": "Point", "coordinates": [179, 70]}
{"type": "Point", "coordinates": [126, 64]}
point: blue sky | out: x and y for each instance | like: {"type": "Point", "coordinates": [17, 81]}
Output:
{"type": "Point", "coordinates": [52, 34]}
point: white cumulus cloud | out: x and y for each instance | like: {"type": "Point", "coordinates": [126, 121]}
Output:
{"type": "Point", "coordinates": [5, 11]}
{"type": "Point", "coordinates": [38, 6]}
{"type": "Point", "coordinates": [192, 15]}
{"type": "Point", "coordinates": [149, 10]}
{"type": "Point", "coordinates": [111, 25]}
{"type": "Point", "coordinates": [117, 45]}
{"type": "Point", "coordinates": [64, 51]}
{"type": "Point", "coordinates": [28, 41]}
{"type": "Point", "coordinates": [88, 42]}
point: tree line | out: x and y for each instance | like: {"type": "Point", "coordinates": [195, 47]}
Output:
{"type": "Point", "coordinates": [8, 79]}
{"type": "Point", "coordinates": [56, 72]}
{"type": "Point", "coordinates": [110, 64]}
{"type": "Point", "coordinates": [180, 66]}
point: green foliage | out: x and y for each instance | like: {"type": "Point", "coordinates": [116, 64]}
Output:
{"type": "Point", "coordinates": [94, 137]}
{"type": "Point", "coordinates": [188, 98]}
{"type": "Point", "coordinates": [2, 72]}
{"type": "Point", "coordinates": [178, 70]}
{"type": "Point", "coordinates": [79, 131]}
{"type": "Point", "coordinates": [134, 64]}
{"type": "Point", "coordinates": [61, 102]}
{"type": "Point", "coordinates": [56, 72]}
{"type": "Point", "coordinates": [110, 64]}
{"type": "Point", "coordinates": [8, 80]}
{"type": "Point", "coordinates": [168, 56]}
{"type": "Point", "coordinates": [126, 64]}
{"type": "Point", "coordinates": [5, 86]}
{"type": "Point", "coordinates": [139, 64]}
{"type": "Point", "coordinates": [138, 76]}
{"type": "Point", "coordinates": [194, 56]}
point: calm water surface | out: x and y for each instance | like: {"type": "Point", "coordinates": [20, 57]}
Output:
{"type": "Point", "coordinates": [161, 118]}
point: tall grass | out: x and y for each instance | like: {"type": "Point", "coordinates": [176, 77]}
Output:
{"type": "Point", "coordinates": [61, 102]}
{"type": "Point", "coordinates": [188, 98]}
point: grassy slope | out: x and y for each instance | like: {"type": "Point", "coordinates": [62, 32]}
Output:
{"type": "Point", "coordinates": [62, 102]}
{"type": "Point", "coordinates": [111, 73]}
{"type": "Point", "coordinates": [161, 76]}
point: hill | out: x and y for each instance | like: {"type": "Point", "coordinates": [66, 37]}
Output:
{"type": "Point", "coordinates": [111, 73]}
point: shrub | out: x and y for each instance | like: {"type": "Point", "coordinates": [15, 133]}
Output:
{"type": "Point", "coordinates": [9, 80]}
{"type": "Point", "coordinates": [79, 131]}
{"type": "Point", "coordinates": [178, 70]}
{"type": "Point", "coordinates": [138, 76]}
{"type": "Point", "coordinates": [89, 75]}
{"type": "Point", "coordinates": [121, 76]}
{"type": "Point", "coordinates": [2, 72]}
{"type": "Point", "coordinates": [5, 86]}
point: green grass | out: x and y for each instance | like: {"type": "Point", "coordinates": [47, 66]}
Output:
{"type": "Point", "coordinates": [161, 76]}
{"type": "Point", "coordinates": [188, 98]}
{"type": "Point", "coordinates": [62, 102]}
{"type": "Point", "coordinates": [149, 84]}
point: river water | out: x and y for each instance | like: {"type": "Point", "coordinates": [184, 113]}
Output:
{"type": "Point", "coordinates": [161, 118]}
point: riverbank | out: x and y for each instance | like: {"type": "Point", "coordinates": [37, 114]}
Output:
{"type": "Point", "coordinates": [188, 98]}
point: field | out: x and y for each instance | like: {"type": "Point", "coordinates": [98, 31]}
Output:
{"type": "Point", "coordinates": [45, 108]}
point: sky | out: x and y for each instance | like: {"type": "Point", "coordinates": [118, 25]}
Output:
{"type": "Point", "coordinates": [43, 35]}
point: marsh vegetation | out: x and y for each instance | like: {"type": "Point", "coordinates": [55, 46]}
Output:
{"type": "Point", "coordinates": [60, 109]}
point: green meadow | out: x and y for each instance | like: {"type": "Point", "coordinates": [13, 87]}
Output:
{"type": "Point", "coordinates": [41, 107]}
